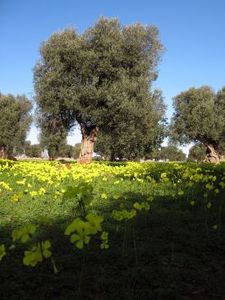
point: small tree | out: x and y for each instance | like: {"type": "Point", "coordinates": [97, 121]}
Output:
{"type": "Point", "coordinates": [200, 117]}
{"type": "Point", "coordinates": [14, 122]}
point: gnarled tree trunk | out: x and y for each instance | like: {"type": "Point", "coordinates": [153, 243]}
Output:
{"type": "Point", "coordinates": [2, 152]}
{"type": "Point", "coordinates": [87, 143]}
{"type": "Point", "coordinates": [212, 154]}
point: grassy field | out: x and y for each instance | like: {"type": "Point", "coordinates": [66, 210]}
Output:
{"type": "Point", "coordinates": [164, 221]}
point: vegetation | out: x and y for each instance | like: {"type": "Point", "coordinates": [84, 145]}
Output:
{"type": "Point", "coordinates": [96, 79]}
{"type": "Point", "coordinates": [53, 136]}
{"type": "Point", "coordinates": [112, 231]}
{"type": "Point", "coordinates": [76, 152]}
{"type": "Point", "coordinates": [34, 150]}
{"type": "Point", "coordinates": [14, 122]}
{"type": "Point", "coordinates": [169, 153]}
{"type": "Point", "coordinates": [199, 117]}
{"type": "Point", "coordinates": [67, 151]}
{"type": "Point", "coordinates": [197, 152]}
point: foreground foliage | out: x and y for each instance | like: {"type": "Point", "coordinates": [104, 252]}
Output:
{"type": "Point", "coordinates": [111, 231]}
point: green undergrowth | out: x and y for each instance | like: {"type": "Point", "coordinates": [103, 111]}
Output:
{"type": "Point", "coordinates": [121, 231]}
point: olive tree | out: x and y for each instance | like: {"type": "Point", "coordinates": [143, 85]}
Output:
{"type": "Point", "coordinates": [101, 80]}
{"type": "Point", "coordinates": [200, 117]}
{"type": "Point", "coordinates": [14, 122]}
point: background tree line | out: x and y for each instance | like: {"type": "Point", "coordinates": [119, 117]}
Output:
{"type": "Point", "coordinates": [101, 81]}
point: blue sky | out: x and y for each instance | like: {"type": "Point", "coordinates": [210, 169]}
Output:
{"type": "Point", "coordinates": [192, 32]}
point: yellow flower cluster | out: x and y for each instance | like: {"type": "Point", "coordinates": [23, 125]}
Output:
{"type": "Point", "coordinates": [38, 180]}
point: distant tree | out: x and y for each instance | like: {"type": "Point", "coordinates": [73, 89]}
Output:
{"type": "Point", "coordinates": [53, 135]}
{"type": "Point", "coordinates": [22, 149]}
{"type": "Point", "coordinates": [76, 153]}
{"type": "Point", "coordinates": [197, 152]}
{"type": "Point", "coordinates": [102, 81]}
{"type": "Point", "coordinates": [34, 150]}
{"type": "Point", "coordinates": [26, 147]}
{"type": "Point", "coordinates": [15, 121]}
{"type": "Point", "coordinates": [200, 117]}
{"type": "Point", "coordinates": [66, 151]}
{"type": "Point", "coordinates": [171, 153]}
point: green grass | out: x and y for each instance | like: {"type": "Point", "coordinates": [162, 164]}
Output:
{"type": "Point", "coordinates": [172, 251]}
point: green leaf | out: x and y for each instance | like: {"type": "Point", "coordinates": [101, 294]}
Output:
{"type": "Point", "coordinates": [2, 251]}
{"type": "Point", "coordinates": [47, 253]}
{"type": "Point", "coordinates": [24, 234]}
{"type": "Point", "coordinates": [72, 226]}
{"type": "Point", "coordinates": [95, 223]}
{"type": "Point", "coordinates": [33, 256]}
{"type": "Point", "coordinates": [74, 238]}
{"type": "Point", "coordinates": [80, 244]}
{"type": "Point", "coordinates": [209, 205]}
{"type": "Point", "coordinates": [46, 244]}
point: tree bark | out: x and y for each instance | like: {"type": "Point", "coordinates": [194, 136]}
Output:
{"type": "Point", "coordinates": [212, 155]}
{"type": "Point", "coordinates": [2, 152]}
{"type": "Point", "coordinates": [87, 144]}
{"type": "Point", "coordinates": [112, 156]}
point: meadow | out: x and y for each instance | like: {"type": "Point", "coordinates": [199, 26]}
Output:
{"type": "Point", "coordinates": [112, 230]}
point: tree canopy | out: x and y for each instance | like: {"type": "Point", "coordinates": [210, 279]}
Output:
{"type": "Point", "coordinates": [197, 152]}
{"type": "Point", "coordinates": [53, 135]}
{"type": "Point", "coordinates": [101, 79]}
{"type": "Point", "coordinates": [168, 153]}
{"type": "Point", "coordinates": [200, 117]}
{"type": "Point", "coordinates": [14, 122]}
{"type": "Point", "coordinates": [135, 136]}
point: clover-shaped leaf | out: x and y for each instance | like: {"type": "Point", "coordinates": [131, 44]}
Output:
{"type": "Point", "coordinates": [33, 256]}
{"type": "Point", "coordinates": [24, 234]}
{"type": "Point", "coordinates": [94, 223]}
{"type": "Point", "coordinates": [45, 248]}
{"type": "Point", "coordinates": [37, 253]}
{"type": "Point", "coordinates": [104, 238]}
{"type": "Point", "coordinates": [79, 240]}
